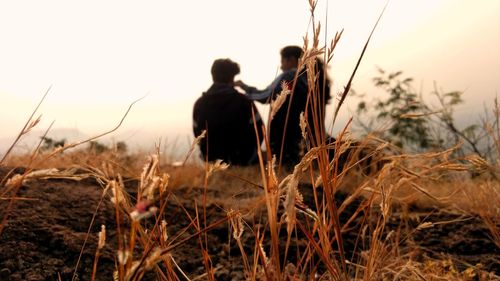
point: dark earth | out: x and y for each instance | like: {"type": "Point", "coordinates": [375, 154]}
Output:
{"type": "Point", "coordinates": [43, 236]}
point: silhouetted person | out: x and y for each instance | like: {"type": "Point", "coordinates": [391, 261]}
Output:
{"type": "Point", "coordinates": [314, 106]}
{"type": "Point", "coordinates": [227, 116]}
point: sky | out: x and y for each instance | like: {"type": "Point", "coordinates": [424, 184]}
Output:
{"type": "Point", "coordinates": [99, 56]}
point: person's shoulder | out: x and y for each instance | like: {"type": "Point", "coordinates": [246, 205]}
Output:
{"type": "Point", "coordinates": [244, 99]}
{"type": "Point", "coordinates": [200, 101]}
{"type": "Point", "coordinates": [288, 75]}
{"type": "Point", "coordinates": [240, 102]}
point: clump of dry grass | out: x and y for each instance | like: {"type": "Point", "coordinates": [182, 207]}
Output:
{"type": "Point", "coordinates": [483, 199]}
{"type": "Point", "coordinates": [427, 179]}
{"type": "Point", "coordinates": [403, 174]}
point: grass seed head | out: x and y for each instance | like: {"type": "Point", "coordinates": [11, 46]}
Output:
{"type": "Point", "coordinates": [153, 258]}
{"type": "Point", "coordinates": [117, 196]}
{"type": "Point", "coordinates": [289, 202]}
{"type": "Point", "coordinates": [280, 99]}
{"type": "Point", "coordinates": [163, 229]}
{"type": "Point", "coordinates": [149, 191]}
{"type": "Point", "coordinates": [273, 179]}
{"type": "Point", "coordinates": [216, 167]}
{"type": "Point", "coordinates": [16, 180]}
{"type": "Point", "coordinates": [102, 237]}
{"type": "Point", "coordinates": [164, 183]}
{"type": "Point", "coordinates": [425, 225]}
{"type": "Point", "coordinates": [261, 247]}
{"type": "Point", "coordinates": [197, 140]}
{"type": "Point", "coordinates": [303, 126]}
{"type": "Point", "coordinates": [123, 256]}
{"type": "Point", "coordinates": [236, 224]}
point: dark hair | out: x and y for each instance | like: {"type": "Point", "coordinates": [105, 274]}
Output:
{"type": "Point", "coordinates": [291, 52]}
{"type": "Point", "coordinates": [224, 70]}
{"type": "Point", "coordinates": [324, 81]}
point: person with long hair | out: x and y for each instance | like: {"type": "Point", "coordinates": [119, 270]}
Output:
{"type": "Point", "coordinates": [285, 133]}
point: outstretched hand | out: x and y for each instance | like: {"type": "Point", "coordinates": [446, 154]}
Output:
{"type": "Point", "coordinates": [239, 83]}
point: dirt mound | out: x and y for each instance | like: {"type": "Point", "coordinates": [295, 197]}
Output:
{"type": "Point", "coordinates": [465, 240]}
{"type": "Point", "coordinates": [47, 227]}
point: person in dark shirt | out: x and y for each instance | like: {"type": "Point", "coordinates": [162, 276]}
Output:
{"type": "Point", "coordinates": [229, 118]}
{"type": "Point", "coordinates": [303, 100]}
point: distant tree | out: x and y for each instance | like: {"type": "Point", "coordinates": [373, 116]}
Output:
{"type": "Point", "coordinates": [50, 144]}
{"type": "Point", "coordinates": [412, 123]}
{"type": "Point", "coordinates": [452, 135]}
{"type": "Point", "coordinates": [121, 147]}
{"type": "Point", "coordinates": [402, 110]}
{"type": "Point", "coordinates": [97, 147]}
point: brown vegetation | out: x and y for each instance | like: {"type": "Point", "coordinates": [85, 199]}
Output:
{"type": "Point", "coordinates": [370, 212]}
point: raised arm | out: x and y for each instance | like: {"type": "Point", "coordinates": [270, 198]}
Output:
{"type": "Point", "coordinates": [263, 96]}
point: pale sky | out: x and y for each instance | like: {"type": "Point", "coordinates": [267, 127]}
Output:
{"type": "Point", "coordinates": [99, 56]}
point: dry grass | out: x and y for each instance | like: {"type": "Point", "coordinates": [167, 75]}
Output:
{"type": "Point", "coordinates": [431, 179]}
{"type": "Point", "coordinates": [425, 180]}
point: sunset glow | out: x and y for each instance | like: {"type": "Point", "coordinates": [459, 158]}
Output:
{"type": "Point", "coordinates": [100, 56]}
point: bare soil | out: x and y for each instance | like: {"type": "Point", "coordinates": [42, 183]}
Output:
{"type": "Point", "coordinates": [47, 228]}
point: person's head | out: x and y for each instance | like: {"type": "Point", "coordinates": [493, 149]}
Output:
{"type": "Point", "coordinates": [290, 56]}
{"type": "Point", "coordinates": [224, 70]}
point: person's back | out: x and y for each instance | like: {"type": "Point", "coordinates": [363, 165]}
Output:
{"type": "Point", "coordinates": [287, 119]}
{"type": "Point", "coordinates": [228, 117]}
